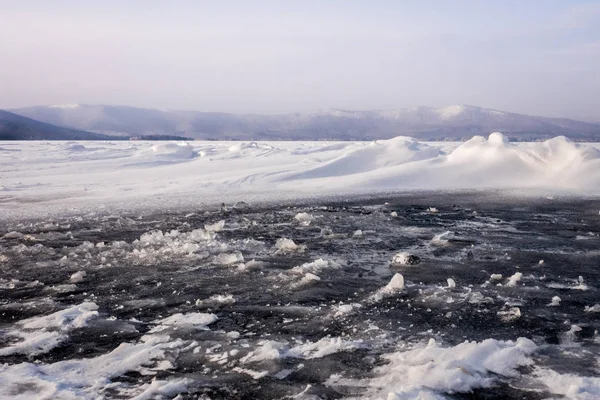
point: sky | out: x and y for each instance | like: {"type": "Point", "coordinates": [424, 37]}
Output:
{"type": "Point", "coordinates": [539, 57]}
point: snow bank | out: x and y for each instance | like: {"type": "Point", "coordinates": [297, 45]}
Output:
{"type": "Point", "coordinates": [159, 174]}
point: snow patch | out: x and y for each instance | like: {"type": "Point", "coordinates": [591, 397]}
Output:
{"type": "Point", "coordinates": [434, 370]}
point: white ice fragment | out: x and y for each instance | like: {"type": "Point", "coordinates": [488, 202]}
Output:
{"type": "Point", "coordinates": [310, 277]}
{"type": "Point", "coordinates": [510, 315]}
{"type": "Point", "coordinates": [307, 279]}
{"type": "Point", "coordinates": [284, 245]}
{"type": "Point", "coordinates": [393, 214]}
{"type": "Point", "coordinates": [496, 277]}
{"type": "Point", "coordinates": [540, 262]}
{"type": "Point", "coordinates": [594, 308]}
{"type": "Point", "coordinates": [323, 347]}
{"type": "Point", "coordinates": [441, 239]}
{"type": "Point", "coordinates": [217, 299]}
{"type": "Point", "coordinates": [196, 320]}
{"type": "Point", "coordinates": [315, 266]}
{"type": "Point", "coordinates": [512, 281]}
{"type": "Point", "coordinates": [396, 284]}
{"type": "Point", "coordinates": [432, 210]}
{"type": "Point", "coordinates": [555, 302]}
{"type": "Point", "coordinates": [78, 277]}
{"type": "Point", "coordinates": [160, 389]}
{"type": "Point", "coordinates": [451, 283]}
{"type": "Point", "coordinates": [216, 227]}
{"type": "Point", "coordinates": [404, 258]}
{"type": "Point", "coordinates": [343, 309]}
{"type": "Point", "coordinates": [304, 218]}
{"type": "Point", "coordinates": [357, 233]}
{"type": "Point", "coordinates": [228, 258]}
{"type": "Point", "coordinates": [254, 374]}
{"type": "Point", "coordinates": [233, 335]}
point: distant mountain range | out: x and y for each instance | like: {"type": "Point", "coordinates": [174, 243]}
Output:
{"type": "Point", "coordinates": [448, 123]}
{"type": "Point", "coordinates": [17, 127]}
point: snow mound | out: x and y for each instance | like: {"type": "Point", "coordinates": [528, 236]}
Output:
{"type": "Point", "coordinates": [75, 147]}
{"type": "Point", "coordinates": [377, 155]}
{"type": "Point", "coordinates": [432, 369]}
{"type": "Point", "coordinates": [496, 163]}
{"type": "Point", "coordinates": [174, 150]}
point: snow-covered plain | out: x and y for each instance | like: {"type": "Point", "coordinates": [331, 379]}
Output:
{"type": "Point", "coordinates": [42, 177]}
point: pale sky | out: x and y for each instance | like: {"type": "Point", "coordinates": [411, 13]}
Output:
{"type": "Point", "coordinates": [538, 57]}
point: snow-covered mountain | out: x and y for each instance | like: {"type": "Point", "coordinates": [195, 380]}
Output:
{"type": "Point", "coordinates": [456, 122]}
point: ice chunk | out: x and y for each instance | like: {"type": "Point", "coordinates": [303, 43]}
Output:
{"type": "Point", "coordinates": [396, 284]}
{"type": "Point", "coordinates": [304, 218]}
{"type": "Point", "coordinates": [284, 245]}
{"type": "Point", "coordinates": [196, 320]}
{"type": "Point", "coordinates": [510, 314]}
{"type": "Point", "coordinates": [216, 227]}
{"type": "Point", "coordinates": [78, 277]}
{"type": "Point", "coordinates": [451, 283]}
{"type": "Point", "coordinates": [594, 308]}
{"type": "Point", "coordinates": [555, 302]}
{"type": "Point", "coordinates": [441, 239]}
{"type": "Point", "coordinates": [229, 258]}
{"type": "Point", "coordinates": [404, 258]}
{"type": "Point", "coordinates": [512, 281]}
{"type": "Point", "coordinates": [314, 266]}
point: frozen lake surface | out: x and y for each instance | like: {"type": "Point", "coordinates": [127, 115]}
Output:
{"type": "Point", "coordinates": [437, 295]}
